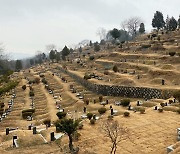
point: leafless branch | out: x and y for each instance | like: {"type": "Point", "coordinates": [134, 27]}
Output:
{"type": "Point", "coordinates": [115, 132]}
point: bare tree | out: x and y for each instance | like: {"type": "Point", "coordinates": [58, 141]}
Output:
{"type": "Point", "coordinates": [131, 25]}
{"type": "Point", "coordinates": [115, 133]}
{"type": "Point", "coordinates": [83, 43]}
{"type": "Point", "coordinates": [50, 47]}
{"type": "Point", "coordinates": [101, 32]}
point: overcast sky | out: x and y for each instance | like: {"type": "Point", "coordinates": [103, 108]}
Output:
{"type": "Point", "coordinates": [29, 25]}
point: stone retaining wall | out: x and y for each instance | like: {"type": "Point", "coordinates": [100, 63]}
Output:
{"type": "Point", "coordinates": [123, 91]}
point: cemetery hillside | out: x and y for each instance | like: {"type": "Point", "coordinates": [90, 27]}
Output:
{"type": "Point", "coordinates": [120, 95]}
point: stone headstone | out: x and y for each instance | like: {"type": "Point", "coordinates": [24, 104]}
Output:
{"type": "Point", "coordinates": [52, 136]}
{"type": "Point", "coordinates": [14, 138]}
{"type": "Point", "coordinates": [178, 131]}
{"type": "Point", "coordinates": [84, 109]}
{"type": "Point", "coordinates": [170, 149]}
{"type": "Point", "coordinates": [34, 130]}
{"type": "Point", "coordinates": [138, 103]}
{"type": "Point", "coordinates": [94, 117]}
{"type": "Point", "coordinates": [138, 77]}
{"type": "Point", "coordinates": [112, 111]}
{"type": "Point", "coordinates": [7, 131]}
{"type": "Point", "coordinates": [163, 82]}
{"type": "Point", "coordinates": [29, 127]}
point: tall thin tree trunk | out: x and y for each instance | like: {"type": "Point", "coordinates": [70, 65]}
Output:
{"type": "Point", "coordinates": [112, 148]}
{"type": "Point", "coordinates": [115, 148]}
{"type": "Point", "coordinates": [70, 143]}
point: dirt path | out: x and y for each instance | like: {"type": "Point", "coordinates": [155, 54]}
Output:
{"type": "Point", "coordinates": [50, 101]}
{"type": "Point", "coordinates": [66, 88]}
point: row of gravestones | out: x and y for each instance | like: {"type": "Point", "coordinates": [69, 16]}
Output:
{"type": "Point", "coordinates": [133, 92]}
{"type": "Point", "coordinates": [52, 135]}
{"type": "Point", "coordinates": [171, 147]}
{"type": "Point", "coordinates": [10, 106]}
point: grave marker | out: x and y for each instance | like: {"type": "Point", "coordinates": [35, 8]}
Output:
{"type": "Point", "coordinates": [7, 131]}
{"type": "Point", "coordinates": [112, 111]}
{"type": "Point", "coordinates": [34, 130]}
{"type": "Point", "coordinates": [14, 140]}
{"type": "Point", "coordinates": [163, 82]}
{"type": "Point", "coordinates": [52, 136]}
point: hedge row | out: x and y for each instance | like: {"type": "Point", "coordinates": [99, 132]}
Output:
{"type": "Point", "coordinates": [6, 88]}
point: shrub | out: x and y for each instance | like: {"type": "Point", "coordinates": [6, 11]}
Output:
{"type": "Point", "coordinates": [103, 42]}
{"type": "Point", "coordinates": [97, 47]}
{"type": "Point", "coordinates": [176, 95]}
{"type": "Point", "coordinates": [24, 87]}
{"type": "Point", "coordinates": [126, 114]}
{"type": "Point", "coordinates": [142, 110]}
{"type": "Point", "coordinates": [1, 112]}
{"type": "Point", "coordinates": [86, 101]}
{"type": "Point", "coordinates": [47, 122]}
{"type": "Point", "coordinates": [125, 102]}
{"type": "Point", "coordinates": [86, 77]}
{"type": "Point", "coordinates": [31, 93]}
{"type": "Point", "coordinates": [7, 87]}
{"type": "Point", "coordinates": [160, 110]}
{"type": "Point", "coordinates": [61, 115]}
{"type": "Point", "coordinates": [31, 81]}
{"type": "Point", "coordinates": [64, 66]}
{"type": "Point", "coordinates": [106, 72]}
{"type": "Point", "coordinates": [1, 105]}
{"type": "Point", "coordinates": [80, 126]}
{"type": "Point", "coordinates": [170, 101]}
{"type": "Point", "coordinates": [28, 110]}
{"type": "Point", "coordinates": [44, 81]}
{"type": "Point", "coordinates": [63, 79]}
{"type": "Point", "coordinates": [41, 75]}
{"type": "Point", "coordinates": [100, 98]}
{"type": "Point", "coordinates": [30, 88]}
{"type": "Point", "coordinates": [178, 111]}
{"type": "Point", "coordinates": [89, 116]}
{"type": "Point", "coordinates": [37, 80]}
{"type": "Point", "coordinates": [172, 53]}
{"type": "Point", "coordinates": [92, 121]}
{"type": "Point", "coordinates": [115, 68]}
{"type": "Point", "coordinates": [145, 46]}
{"type": "Point", "coordinates": [157, 47]}
{"type": "Point", "coordinates": [91, 58]}
{"type": "Point", "coordinates": [102, 110]}
{"type": "Point", "coordinates": [154, 35]}
{"type": "Point", "coordinates": [162, 104]}
{"type": "Point", "coordinates": [26, 114]}
{"type": "Point", "coordinates": [110, 117]}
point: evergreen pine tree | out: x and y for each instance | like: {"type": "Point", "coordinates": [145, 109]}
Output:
{"type": "Point", "coordinates": [142, 28]}
{"type": "Point", "coordinates": [158, 20]}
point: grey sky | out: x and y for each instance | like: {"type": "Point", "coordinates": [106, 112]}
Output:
{"type": "Point", "coordinates": [29, 25]}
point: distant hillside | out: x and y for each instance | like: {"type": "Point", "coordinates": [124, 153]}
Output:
{"type": "Point", "coordinates": [18, 55]}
